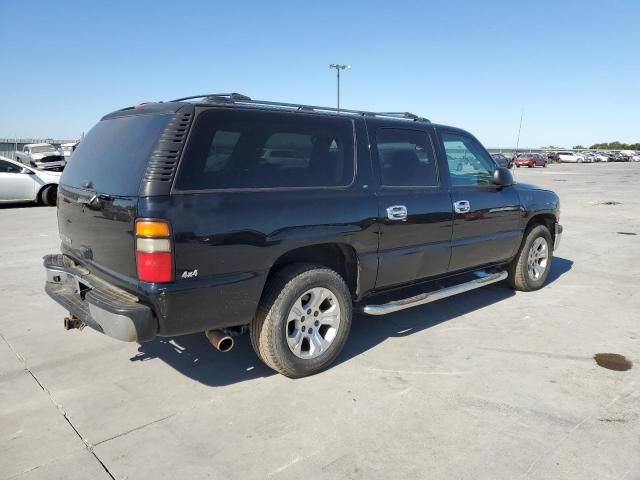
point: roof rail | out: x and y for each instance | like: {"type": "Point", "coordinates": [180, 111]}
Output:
{"type": "Point", "coordinates": [409, 115]}
{"type": "Point", "coordinates": [239, 99]}
{"type": "Point", "coordinates": [228, 96]}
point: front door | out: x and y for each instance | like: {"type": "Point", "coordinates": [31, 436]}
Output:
{"type": "Point", "coordinates": [15, 185]}
{"type": "Point", "coordinates": [487, 217]}
{"type": "Point", "coordinates": [414, 207]}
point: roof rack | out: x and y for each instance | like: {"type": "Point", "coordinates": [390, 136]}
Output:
{"type": "Point", "coordinates": [408, 115]}
{"type": "Point", "coordinates": [237, 98]}
{"type": "Point", "coordinates": [216, 97]}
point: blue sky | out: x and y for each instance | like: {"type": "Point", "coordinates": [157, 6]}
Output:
{"type": "Point", "coordinates": [571, 65]}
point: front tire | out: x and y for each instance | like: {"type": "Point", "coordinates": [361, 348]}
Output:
{"type": "Point", "coordinates": [530, 268]}
{"type": "Point", "coordinates": [49, 196]}
{"type": "Point", "coordinates": [303, 320]}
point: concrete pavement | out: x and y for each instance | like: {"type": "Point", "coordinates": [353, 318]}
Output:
{"type": "Point", "coordinates": [489, 384]}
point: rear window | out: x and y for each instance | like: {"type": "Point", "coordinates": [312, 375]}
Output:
{"type": "Point", "coordinates": [257, 149]}
{"type": "Point", "coordinates": [113, 156]}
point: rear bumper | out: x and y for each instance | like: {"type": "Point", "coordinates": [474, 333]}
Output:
{"type": "Point", "coordinates": [98, 304]}
{"type": "Point", "coordinates": [557, 236]}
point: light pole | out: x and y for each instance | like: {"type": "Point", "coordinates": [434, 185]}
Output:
{"type": "Point", "coordinates": [338, 67]}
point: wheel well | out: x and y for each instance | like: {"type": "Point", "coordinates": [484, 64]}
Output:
{"type": "Point", "coordinates": [43, 188]}
{"type": "Point", "coordinates": [339, 257]}
{"type": "Point", "coordinates": [546, 219]}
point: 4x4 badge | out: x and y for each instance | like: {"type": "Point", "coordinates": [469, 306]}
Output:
{"type": "Point", "coordinates": [187, 274]}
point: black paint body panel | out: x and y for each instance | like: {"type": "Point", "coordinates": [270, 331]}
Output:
{"type": "Point", "coordinates": [233, 238]}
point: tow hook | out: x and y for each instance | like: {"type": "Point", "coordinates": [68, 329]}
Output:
{"type": "Point", "coordinates": [72, 322]}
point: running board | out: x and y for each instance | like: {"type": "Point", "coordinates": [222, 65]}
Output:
{"type": "Point", "coordinates": [486, 279]}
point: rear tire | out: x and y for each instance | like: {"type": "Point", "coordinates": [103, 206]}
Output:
{"type": "Point", "coordinates": [298, 299]}
{"type": "Point", "coordinates": [49, 195]}
{"type": "Point", "coordinates": [530, 268]}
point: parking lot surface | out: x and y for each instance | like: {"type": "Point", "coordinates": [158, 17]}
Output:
{"type": "Point", "coordinates": [488, 384]}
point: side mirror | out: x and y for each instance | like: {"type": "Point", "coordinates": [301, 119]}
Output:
{"type": "Point", "coordinates": [28, 171]}
{"type": "Point", "coordinates": [502, 176]}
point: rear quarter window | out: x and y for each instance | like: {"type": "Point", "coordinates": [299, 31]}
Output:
{"type": "Point", "coordinates": [257, 150]}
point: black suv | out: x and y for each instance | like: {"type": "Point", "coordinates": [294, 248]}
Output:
{"type": "Point", "coordinates": [220, 214]}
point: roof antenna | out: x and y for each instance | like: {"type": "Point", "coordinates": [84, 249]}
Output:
{"type": "Point", "coordinates": [519, 129]}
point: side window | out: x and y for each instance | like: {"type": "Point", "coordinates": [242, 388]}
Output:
{"type": "Point", "coordinates": [257, 149]}
{"type": "Point", "coordinates": [469, 165]}
{"type": "Point", "coordinates": [222, 144]}
{"type": "Point", "coordinates": [7, 167]}
{"type": "Point", "coordinates": [406, 158]}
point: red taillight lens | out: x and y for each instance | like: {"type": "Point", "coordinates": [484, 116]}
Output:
{"type": "Point", "coordinates": [155, 267]}
{"type": "Point", "coordinates": [154, 255]}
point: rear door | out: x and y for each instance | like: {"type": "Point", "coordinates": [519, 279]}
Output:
{"type": "Point", "coordinates": [99, 188]}
{"type": "Point", "coordinates": [414, 208]}
{"type": "Point", "coordinates": [487, 217]}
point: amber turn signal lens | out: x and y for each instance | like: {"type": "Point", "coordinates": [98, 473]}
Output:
{"type": "Point", "coordinates": [152, 228]}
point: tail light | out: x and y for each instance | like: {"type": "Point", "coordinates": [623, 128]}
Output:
{"type": "Point", "coordinates": [154, 253]}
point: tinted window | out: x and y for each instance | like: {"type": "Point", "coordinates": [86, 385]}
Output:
{"type": "Point", "coordinates": [406, 158]}
{"type": "Point", "coordinates": [254, 149]}
{"type": "Point", "coordinates": [43, 149]}
{"type": "Point", "coordinates": [468, 163]}
{"type": "Point", "coordinates": [8, 167]}
{"type": "Point", "coordinates": [113, 155]}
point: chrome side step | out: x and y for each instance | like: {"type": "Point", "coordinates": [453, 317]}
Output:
{"type": "Point", "coordinates": [484, 279]}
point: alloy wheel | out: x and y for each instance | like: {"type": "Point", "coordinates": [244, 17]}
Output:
{"type": "Point", "coordinates": [312, 323]}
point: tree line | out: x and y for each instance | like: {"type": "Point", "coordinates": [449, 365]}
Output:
{"type": "Point", "coordinates": [612, 146]}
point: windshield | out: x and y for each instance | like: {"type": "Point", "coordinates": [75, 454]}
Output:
{"type": "Point", "coordinates": [43, 149]}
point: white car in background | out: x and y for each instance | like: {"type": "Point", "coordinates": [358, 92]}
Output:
{"type": "Point", "coordinates": [19, 183]}
{"type": "Point", "coordinates": [570, 157]}
{"type": "Point", "coordinates": [43, 156]}
{"type": "Point", "coordinates": [67, 149]}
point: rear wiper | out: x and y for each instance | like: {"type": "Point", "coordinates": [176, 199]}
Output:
{"type": "Point", "coordinates": [95, 201]}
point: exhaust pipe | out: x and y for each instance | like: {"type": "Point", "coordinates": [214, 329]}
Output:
{"type": "Point", "coordinates": [219, 340]}
{"type": "Point", "coordinates": [72, 322]}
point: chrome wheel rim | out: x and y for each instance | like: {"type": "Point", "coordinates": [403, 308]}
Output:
{"type": "Point", "coordinates": [313, 323]}
{"type": "Point", "coordinates": [538, 258]}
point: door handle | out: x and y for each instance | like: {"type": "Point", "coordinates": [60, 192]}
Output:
{"type": "Point", "coordinates": [397, 212]}
{"type": "Point", "coordinates": [462, 206]}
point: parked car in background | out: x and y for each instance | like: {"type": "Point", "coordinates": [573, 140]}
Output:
{"type": "Point", "coordinates": [629, 156]}
{"type": "Point", "coordinates": [620, 157]}
{"type": "Point", "coordinates": [19, 183]}
{"type": "Point", "coordinates": [68, 148]}
{"type": "Point", "coordinates": [600, 157]}
{"type": "Point", "coordinates": [502, 160]}
{"type": "Point", "coordinates": [570, 157]}
{"type": "Point", "coordinates": [42, 156]}
{"type": "Point", "coordinates": [553, 156]}
{"type": "Point", "coordinates": [530, 160]}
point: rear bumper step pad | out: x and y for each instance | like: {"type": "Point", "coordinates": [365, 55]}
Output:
{"type": "Point", "coordinates": [98, 304]}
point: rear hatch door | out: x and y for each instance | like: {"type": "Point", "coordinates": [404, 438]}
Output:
{"type": "Point", "coordinates": [99, 190]}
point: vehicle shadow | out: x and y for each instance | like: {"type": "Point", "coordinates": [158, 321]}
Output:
{"type": "Point", "coordinates": [193, 356]}
{"type": "Point", "coordinates": [7, 206]}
